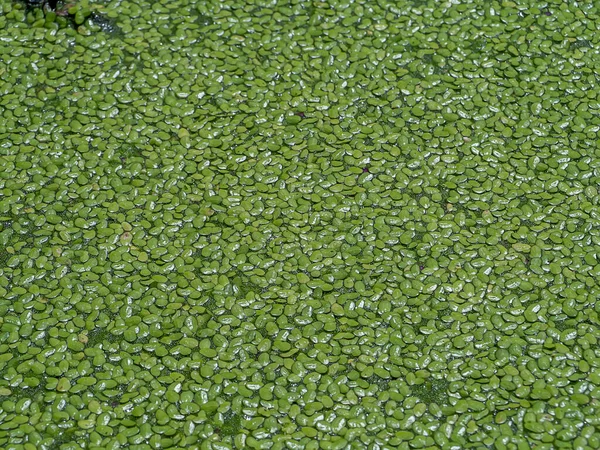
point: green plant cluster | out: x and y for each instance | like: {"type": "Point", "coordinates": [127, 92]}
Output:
{"type": "Point", "coordinates": [300, 224]}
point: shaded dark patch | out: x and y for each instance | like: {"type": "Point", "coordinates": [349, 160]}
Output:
{"type": "Point", "coordinates": [232, 423]}
{"type": "Point", "coordinates": [99, 335]}
{"type": "Point", "coordinates": [242, 285]}
{"type": "Point", "coordinates": [361, 106]}
{"type": "Point", "coordinates": [262, 332]}
{"type": "Point", "coordinates": [35, 394]}
{"type": "Point", "coordinates": [106, 24]}
{"type": "Point", "coordinates": [6, 222]}
{"type": "Point", "coordinates": [440, 323]}
{"type": "Point", "coordinates": [565, 324]}
{"type": "Point", "coordinates": [348, 290]}
{"type": "Point", "coordinates": [478, 45]}
{"type": "Point", "coordinates": [427, 58]}
{"type": "Point", "coordinates": [4, 257]}
{"type": "Point", "coordinates": [382, 383]}
{"type": "Point", "coordinates": [31, 4]}
{"type": "Point", "coordinates": [580, 43]}
{"type": "Point", "coordinates": [204, 21]}
{"type": "Point", "coordinates": [25, 228]}
{"type": "Point", "coordinates": [64, 437]}
{"type": "Point", "coordinates": [210, 304]}
{"type": "Point", "coordinates": [434, 391]}
{"type": "Point", "coordinates": [129, 151]}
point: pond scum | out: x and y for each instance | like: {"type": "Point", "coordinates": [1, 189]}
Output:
{"type": "Point", "coordinates": [295, 225]}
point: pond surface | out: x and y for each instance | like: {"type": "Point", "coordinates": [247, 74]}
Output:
{"type": "Point", "coordinates": [304, 224]}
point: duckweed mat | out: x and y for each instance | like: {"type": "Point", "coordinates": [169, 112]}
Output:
{"type": "Point", "coordinates": [299, 225]}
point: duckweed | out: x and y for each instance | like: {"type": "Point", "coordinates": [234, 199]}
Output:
{"type": "Point", "coordinates": [330, 225]}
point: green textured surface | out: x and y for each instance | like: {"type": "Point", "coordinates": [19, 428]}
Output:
{"type": "Point", "coordinates": [300, 225]}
